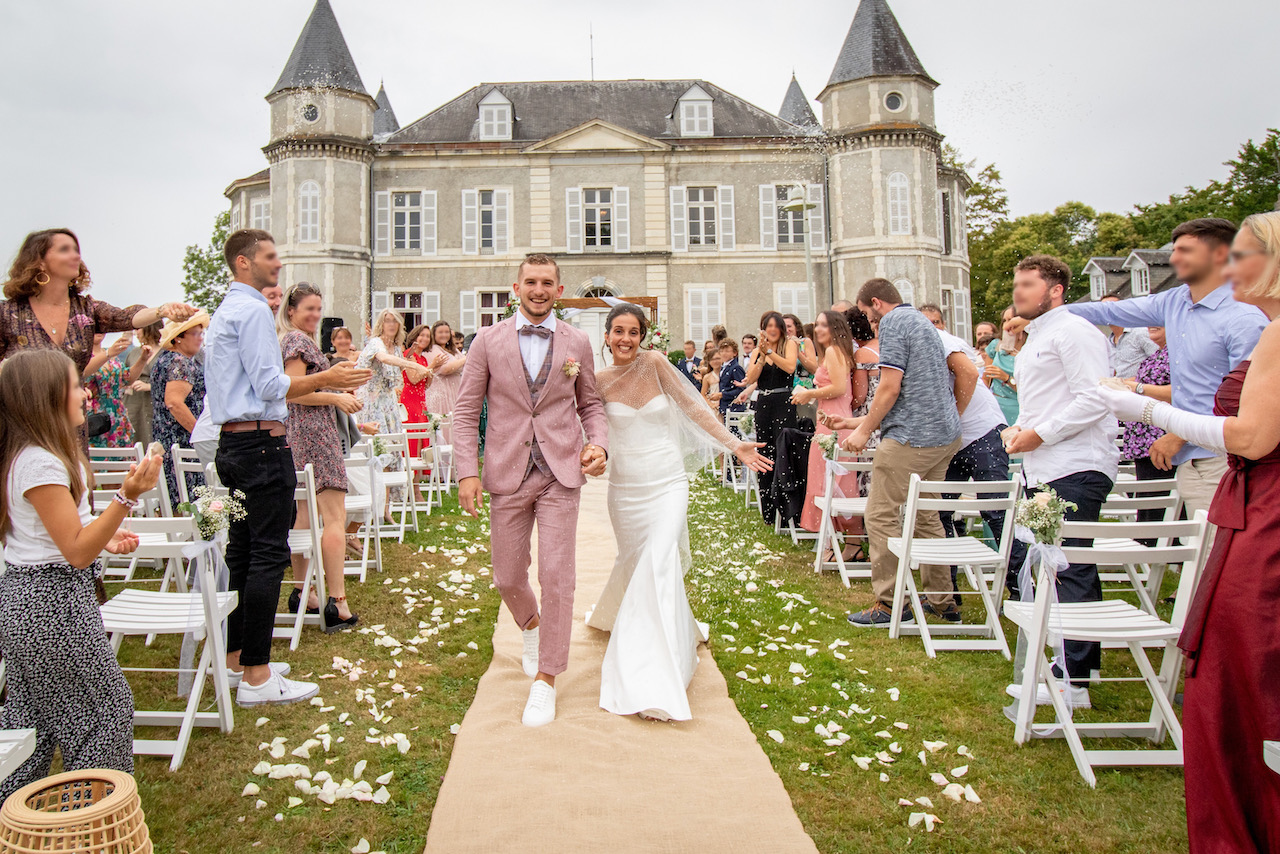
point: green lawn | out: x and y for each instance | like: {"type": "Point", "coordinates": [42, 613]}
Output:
{"type": "Point", "coordinates": [1032, 798]}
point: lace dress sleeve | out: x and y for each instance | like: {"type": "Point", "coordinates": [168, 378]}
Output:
{"type": "Point", "coordinates": [691, 404]}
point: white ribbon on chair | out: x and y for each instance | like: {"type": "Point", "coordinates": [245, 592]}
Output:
{"type": "Point", "coordinates": [199, 554]}
{"type": "Point", "coordinates": [1051, 558]}
{"type": "Point", "coordinates": [838, 471]}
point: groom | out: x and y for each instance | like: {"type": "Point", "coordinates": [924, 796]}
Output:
{"type": "Point", "coordinates": [538, 376]}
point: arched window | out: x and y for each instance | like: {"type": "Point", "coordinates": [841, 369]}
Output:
{"type": "Point", "coordinates": [309, 212]}
{"type": "Point", "coordinates": [906, 290]}
{"type": "Point", "coordinates": [899, 204]}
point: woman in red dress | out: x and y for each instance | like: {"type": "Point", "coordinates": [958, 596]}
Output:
{"type": "Point", "coordinates": [413, 395]}
{"type": "Point", "coordinates": [1231, 702]}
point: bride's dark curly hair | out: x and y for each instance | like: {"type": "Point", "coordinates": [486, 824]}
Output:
{"type": "Point", "coordinates": [632, 309]}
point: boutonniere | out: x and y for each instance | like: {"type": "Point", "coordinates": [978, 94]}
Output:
{"type": "Point", "coordinates": [571, 368]}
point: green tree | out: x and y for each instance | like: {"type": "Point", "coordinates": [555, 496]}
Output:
{"type": "Point", "coordinates": [987, 202]}
{"type": "Point", "coordinates": [205, 276]}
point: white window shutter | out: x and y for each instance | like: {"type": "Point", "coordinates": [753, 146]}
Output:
{"type": "Point", "coordinates": [467, 310]}
{"type": "Point", "coordinates": [621, 219]}
{"type": "Point", "coordinates": [382, 223]}
{"type": "Point", "coordinates": [817, 222]}
{"type": "Point", "coordinates": [430, 306]}
{"type": "Point", "coordinates": [768, 216]}
{"type": "Point", "coordinates": [380, 301]}
{"type": "Point", "coordinates": [697, 315]}
{"type": "Point", "coordinates": [724, 194]}
{"type": "Point", "coordinates": [501, 214]}
{"type": "Point", "coordinates": [573, 218]}
{"type": "Point", "coordinates": [942, 223]}
{"type": "Point", "coordinates": [679, 220]}
{"type": "Point", "coordinates": [428, 222]}
{"type": "Point", "coordinates": [786, 301]}
{"type": "Point", "coordinates": [801, 300]}
{"type": "Point", "coordinates": [470, 224]}
{"type": "Point", "coordinates": [713, 309]}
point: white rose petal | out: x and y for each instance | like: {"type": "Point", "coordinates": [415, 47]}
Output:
{"type": "Point", "coordinates": [799, 719]}
{"type": "Point", "coordinates": [939, 779]}
{"type": "Point", "coordinates": [250, 790]}
{"type": "Point", "coordinates": [884, 778]}
{"type": "Point", "coordinates": [775, 735]}
{"type": "Point", "coordinates": [381, 796]}
{"type": "Point", "coordinates": [925, 801]}
{"type": "Point", "coordinates": [921, 754]}
{"type": "Point", "coordinates": [971, 796]}
{"type": "Point", "coordinates": [359, 769]}
{"type": "Point", "coordinates": [903, 802]}
{"type": "Point", "coordinates": [362, 847]}
{"type": "Point", "coordinates": [262, 768]}
{"type": "Point", "coordinates": [964, 751]}
{"type": "Point", "coordinates": [935, 746]}
{"type": "Point", "coordinates": [960, 772]}
{"type": "Point", "coordinates": [954, 791]}
{"type": "Point", "coordinates": [864, 762]}
{"type": "Point", "coordinates": [259, 804]}
{"type": "Point", "coordinates": [261, 722]}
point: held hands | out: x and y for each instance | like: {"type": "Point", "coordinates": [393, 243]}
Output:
{"type": "Point", "coordinates": [347, 377]}
{"type": "Point", "coordinates": [141, 477]}
{"type": "Point", "coordinates": [593, 460]}
{"type": "Point", "coordinates": [749, 453]}
{"type": "Point", "coordinates": [470, 496]}
{"type": "Point", "coordinates": [1123, 402]}
{"type": "Point", "coordinates": [177, 311]}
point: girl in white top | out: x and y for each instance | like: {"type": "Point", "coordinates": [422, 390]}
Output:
{"type": "Point", "coordinates": [64, 680]}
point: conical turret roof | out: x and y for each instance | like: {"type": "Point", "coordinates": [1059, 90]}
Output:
{"type": "Point", "coordinates": [876, 47]}
{"type": "Point", "coordinates": [320, 59]}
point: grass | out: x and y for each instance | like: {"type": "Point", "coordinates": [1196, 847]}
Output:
{"type": "Point", "coordinates": [1033, 800]}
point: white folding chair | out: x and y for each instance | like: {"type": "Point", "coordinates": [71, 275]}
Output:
{"type": "Point", "coordinates": [424, 461]}
{"type": "Point", "coordinates": [397, 444]}
{"type": "Point", "coordinates": [305, 543]}
{"type": "Point", "coordinates": [1139, 575]}
{"type": "Point", "coordinates": [115, 459]}
{"type": "Point", "coordinates": [146, 612]}
{"type": "Point", "coordinates": [185, 460]}
{"type": "Point", "coordinates": [443, 443]}
{"type": "Point", "coordinates": [1111, 620]}
{"type": "Point", "coordinates": [831, 506]}
{"type": "Point", "coordinates": [983, 566]}
{"type": "Point", "coordinates": [361, 506]}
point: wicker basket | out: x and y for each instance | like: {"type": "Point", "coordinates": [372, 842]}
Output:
{"type": "Point", "coordinates": [90, 811]}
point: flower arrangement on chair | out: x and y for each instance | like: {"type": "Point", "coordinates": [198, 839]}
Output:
{"type": "Point", "coordinates": [213, 513]}
{"type": "Point", "coordinates": [1042, 514]}
{"type": "Point", "coordinates": [829, 443]}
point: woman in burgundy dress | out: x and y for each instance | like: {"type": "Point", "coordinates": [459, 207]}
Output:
{"type": "Point", "coordinates": [1232, 633]}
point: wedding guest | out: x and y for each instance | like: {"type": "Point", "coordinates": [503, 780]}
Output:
{"type": "Point", "coordinates": [999, 375]}
{"type": "Point", "coordinates": [106, 387]}
{"type": "Point", "coordinates": [865, 379]}
{"type": "Point", "coordinates": [1152, 380]}
{"type": "Point", "coordinates": [731, 373]}
{"type": "Point", "coordinates": [413, 392]}
{"type": "Point", "coordinates": [711, 378]}
{"type": "Point", "coordinates": [275, 297]}
{"type": "Point", "coordinates": [459, 341]}
{"type": "Point", "coordinates": [177, 394]}
{"type": "Point", "coordinates": [137, 398]}
{"type": "Point", "coordinates": [1066, 436]}
{"type": "Point", "coordinates": [381, 395]}
{"type": "Point", "coordinates": [749, 343]}
{"type": "Point", "coordinates": [833, 394]}
{"type": "Point", "coordinates": [919, 434]}
{"type": "Point", "coordinates": [63, 678]}
{"type": "Point", "coordinates": [718, 334]}
{"type": "Point", "coordinates": [248, 387]}
{"type": "Point", "coordinates": [689, 364]}
{"type": "Point", "coordinates": [340, 338]}
{"type": "Point", "coordinates": [806, 354]}
{"type": "Point", "coordinates": [708, 347]}
{"type": "Point", "coordinates": [1208, 333]}
{"type": "Point", "coordinates": [935, 316]}
{"type": "Point", "coordinates": [1127, 347]}
{"type": "Point", "coordinates": [446, 362]}
{"type": "Point", "coordinates": [1231, 701]}
{"type": "Point", "coordinates": [772, 371]}
{"type": "Point", "coordinates": [313, 437]}
{"type": "Point", "coordinates": [984, 333]}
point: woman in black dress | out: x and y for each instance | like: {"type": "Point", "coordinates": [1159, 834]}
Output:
{"type": "Point", "coordinates": [772, 368]}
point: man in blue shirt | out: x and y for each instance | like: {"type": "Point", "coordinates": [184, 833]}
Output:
{"type": "Point", "coordinates": [1208, 334]}
{"type": "Point", "coordinates": [246, 390]}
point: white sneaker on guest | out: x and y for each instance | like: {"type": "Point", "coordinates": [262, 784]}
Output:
{"type": "Point", "coordinates": [541, 708]}
{"type": "Point", "coordinates": [279, 668]}
{"type": "Point", "coordinates": [529, 658]}
{"type": "Point", "coordinates": [276, 690]}
{"type": "Point", "coordinates": [1077, 698]}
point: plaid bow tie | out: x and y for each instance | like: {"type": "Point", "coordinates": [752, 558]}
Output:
{"type": "Point", "coordinates": [540, 331]}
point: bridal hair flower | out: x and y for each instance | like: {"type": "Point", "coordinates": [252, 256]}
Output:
{"type": "Point", "coordinates": [571, 368]}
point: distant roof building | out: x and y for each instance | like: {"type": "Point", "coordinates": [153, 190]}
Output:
{"type": "Point", "coordinates": [1140, 273]}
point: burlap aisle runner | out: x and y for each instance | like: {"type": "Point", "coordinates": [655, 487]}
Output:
{"type": "Point", "coordinates": [596, 782]}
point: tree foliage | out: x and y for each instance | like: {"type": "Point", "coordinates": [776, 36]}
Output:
{"type": "Point", "coordinates": [205, 276]}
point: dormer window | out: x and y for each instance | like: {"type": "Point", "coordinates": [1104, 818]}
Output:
{"type": "Point", "coordinates": [1097, 284]}
{"type": "Point", "coordinates": [1141, 280]}
{"type": "Point", "coordinates": [696, 116]}
{"type": "Point", "coordinates": [495, 117]}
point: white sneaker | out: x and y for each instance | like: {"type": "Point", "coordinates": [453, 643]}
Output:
{"type": "Point", "coordinates": [530, 656]}
{"type": "Point", "coordinates": [1077, 698]}
{"type": "Point", "coordinates": [276, 690]}
{"type": "Point", "coordinates": [279, 668]}
{"type": "Point", "coordinates": [541, 708]}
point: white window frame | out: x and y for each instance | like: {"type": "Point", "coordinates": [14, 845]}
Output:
{"type": "Point", "coordinates": [604, 215]}
{"type": "Point", "coordinates": [492, 313]}
{"type": "Point", "coordinates": [406, 221]}
{"type": "Point", "coordinates": [474, 226]}
{"type": "Point", "coordinates": [708, 213]}
{"type": "Point", "coordinates": [235, 216]}
{"type": "Point", "coordinates": [946, 302]}
{"type": "Point", "coordinates": [260, 213]}
{"type": "Point", "coordinates": [309, 212]}
{"type": "Point", "coordinates": [794, 220]}
{"type": "Point", "coordinates": [707, 302]}
{"type": "Point", "coordinates": [946, 222]}
{"type": "Point", "coordinates": [898, 195]}
{"type": "Point", "coordinates": [906, 289]}
{"type": "Point", "coordinates": [494, 117]}
{"type": "Point", "coordinates": [792, 298]}
{"type": "Point", "coordinates": [426, 311]}
{"type": "Point", "coordinates": [1140, 280]}
{"type": "Point", "coordinates": [697, 118]}
{"type": "Point", "coordinates": [962, 315]}
{"type": "Point", "coordinates": [1097, 285]}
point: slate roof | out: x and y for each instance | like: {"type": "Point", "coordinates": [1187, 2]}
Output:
{"type": "Point", "coordinates": [876, 47]}
{"type": "Point", "coordinates": [384, 118]}
{"type": "Point", "coordinates": [544, 109]}
{"type": "Point", "coordinates": [320, 59]}
{"type": "Point", "coordinates": [796, 108]}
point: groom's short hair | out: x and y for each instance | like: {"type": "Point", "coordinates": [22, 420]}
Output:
{"type": "Point", "coordinates": [537, 259]}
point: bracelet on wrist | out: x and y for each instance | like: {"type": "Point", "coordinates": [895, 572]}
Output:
{"type": "Point", "coordinates": [1147, 412]}
{"type": "Point", "coordinates": [1137, 388]}
{"type": "Point", "coordinates": [124, 500]}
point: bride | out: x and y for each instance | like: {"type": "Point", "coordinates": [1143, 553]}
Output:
{"type": "Point", "coordinates": [660, 431]}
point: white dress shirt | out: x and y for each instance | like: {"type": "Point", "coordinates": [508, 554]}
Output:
{"type": "Point", "coordinates": [983, 414]}
{"type": "Point", "coordinates": [1057, 375]}
{"type": "Point", "coordinates": [533, 349]}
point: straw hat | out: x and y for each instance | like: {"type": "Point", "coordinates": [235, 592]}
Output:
{"type": "Point", "coordinates": [173, 329]}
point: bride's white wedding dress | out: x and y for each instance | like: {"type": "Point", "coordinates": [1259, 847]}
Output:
{"type": "Point", "coordinates": [660, 429]}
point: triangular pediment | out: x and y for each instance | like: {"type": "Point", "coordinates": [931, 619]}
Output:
{"type": "Point", "coordinates": [598, 135]}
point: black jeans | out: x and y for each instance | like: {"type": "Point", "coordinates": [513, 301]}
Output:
{"type": "Point", "coordinates": [260, 466]}
{"type": "Point", "coordinates": [983, 459]}
{"type": "Point", "coordinates": [1078, 582]}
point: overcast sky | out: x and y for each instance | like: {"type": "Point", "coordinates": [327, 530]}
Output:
{"type": "Point", "coordinates": [125, 120]}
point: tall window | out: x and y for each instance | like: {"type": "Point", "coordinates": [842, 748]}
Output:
{"type": "Point", "coordinates": [493, 304]}
{"type": "Point", "coordinates": [597, 217]}
{"type": "Point", "coordinates": [702, 216]}
{"type": "Point", "coordinates": [1097, 285]}
{"type": "Point", "coordinates": [906, 290]}
{"type": "Point", "coordinates": [695, 118]}
{"type": "Point", "coordinates": [1141, 277]}
{"type": "Point", "coordinates": [260, 213]}
{"type": "Point", "coordinates": [944, 222]}
{"type": "Point", "coordinates": [410, 307]}
{"type": "Point", "coordinates": [790, 223]}
{"type": "Point", "coordinates": [309, 212]}
{"type": "Point", "coordinates": [235, 216]}
{"type": "Point", "coordinates": [899, 204]}
{"type": "Point", "coordinates": [406, 218]}
{"type": "Point", "coordinates": [486, 222]}
{"type": "Point", "coordinates": [793, 299]}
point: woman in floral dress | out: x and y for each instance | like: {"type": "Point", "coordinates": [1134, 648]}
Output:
{"type": "Point", "coordinates": [177, 395]}
{"type": "Point", "coordinates": [106, 389]}
{"type": "Point", "coordinates": [866, 376]}
{"type": "Point", "coordinates": [1152, 381]}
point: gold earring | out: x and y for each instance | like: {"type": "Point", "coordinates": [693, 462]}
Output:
{"type": "Point", "coordinates": [46, 278]}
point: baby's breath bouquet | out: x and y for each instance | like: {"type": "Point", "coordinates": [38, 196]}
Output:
{"type": "Point", "coordinates": [1042, 514]}
{"type": "Point", "coordinates": [747, 424]}
{"type": "Point", "coordinates": [829, 443]}
{"type": "Point", "coordinates": [434, 420]}
{"type": "Point", "coordinates": [213, 513]}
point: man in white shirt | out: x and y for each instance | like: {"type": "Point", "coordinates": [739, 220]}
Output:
{"type": "Point", "coordinates": [982, 456]}
{"type": "Point", "coordinates": [1066, 433]}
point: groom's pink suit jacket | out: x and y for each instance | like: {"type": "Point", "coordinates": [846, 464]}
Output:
{"type": "Point", "coordinates": [566, 406]}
